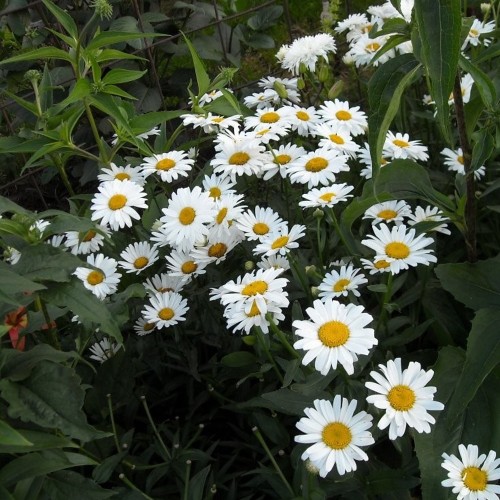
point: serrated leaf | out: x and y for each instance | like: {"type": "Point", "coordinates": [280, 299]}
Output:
{"type": "Point", "coordinates": [439, 25]}
{"type": "Point", "coordinates": [385, 89]}
{"type": "Point", "coordinates": [50, 397]}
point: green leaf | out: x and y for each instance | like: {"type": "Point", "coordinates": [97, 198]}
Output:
{"type": "Point", "coordinates": [197, 484]}
{"type": "Point", "coordinates": [385, 89]}
{"type": "Point", "coordinates": [475, 285]}
{"type": "Point", "coordinates": [7, 205]}
{"type": "Point", "coordinates": [115, 55]}
{"type": "Point", "coordinates": [83, 303]}
{"type": "Point", "coordinates": [30, 106]}
{"type": "Point", "coordinates": [19, 145]}
{"type": "Point", "coordinates": [65, 484]}
{"type": "Point", "coordinates": [103, 471]}
{"type": "Point", "coordinates": [63, 222]}
{"type": "Point", "coordinates": [490, 53]}
{"type": "Point", "coordinates": [112, 37]}
{"type": "Point", "coordinates": [50, 397]}
{"type": "Point", "coordinates": [39, 464]}
{"type": "Point", "coordinates": [483, 82]}
{"type": "Point", "coordinates": [80, 90]}
{"type": "Point", "coordinates": [40, 441]}
{"type": "Point", "coordinates": [39, 54]}
{"type": "Point", "coordinates": [405, 179]}
{"type": "Point", "coordinates": [145, 122]}
{"type": "Point", "coordinates": [63, 17]}
{"type": "Point", "coordinates": [115, 90]}
{"type": "Point", "coordinates": [484, 146]}
{"type": "Point", "coordinates": [12, 283]}
{"type": "Point", "coordinates": [483, 354]}
{"type": "Point", "coordinates": [239, 359]}
{"type": "Point", "coordinates": [265, 18]}
{"type": "Point", "coordinates": [439, 25]}
{"type": "Point", "coordinates": [10, 437]}
{"type": "Point", "coordinates": [120, 75]}
{"type": "Point", "coordinates": [202, 78]}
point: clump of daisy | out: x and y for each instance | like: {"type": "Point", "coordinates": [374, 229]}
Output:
{"type": "Point", "coordinates": [101, 279]}
{"type": "Point", "coordinates": [336, 435]}
{"type": "Point", "coordinates": [103, 350]}
{"type": "Point", "coordinates": [470, 475]}
{"type": "Point", "coordinates": [165, 309]}
{"type": "Point", "coordinates": [404, 396]}
{"type": "Point", "coordinates": [335, 334]}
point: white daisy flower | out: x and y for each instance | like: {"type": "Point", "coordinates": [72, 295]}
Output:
{"type": "Point", "coordinates": [388, 211]}
{"type": "Point", "coordinates": [227, 211]}
{"type": "Point", "coordinates": [376, 266]}
{"type": "Point", "coordinates": [306, 52]}
{"type": "Point", "coordinates": [216, 248]}
{"type": "Point", "coordinates": [169, 166]}
{"type": "Point", "coordinates": [262, 287]}
{"type": "Point", "coordinates": [365, 48]}
{"type": "Point", "coordinates": [163, 283]}
{"type": "Point", "coordinates": [350, 118]}
{"type": "Point", "coordinates": [57, 241]}
{"type": "Point", "coordinates": [257, 224]}
{"type": "Point", "coordinates": [470, 475]}
{"type": "Point", "coordinates": [466, 83]}
{"type": "Point", "coordinates": [186, 217]}
{"type": "Point", "coordinates": [103, 350]}
{"type": "Point", "coordinates": [143, 327]}
{"type": "Point", "coordinates": [138, 256]}
{"type": "Point", "coordinates": [404, 397]}
{"type": "Point", "coordinates": [218, 185]}
{"type": "Point", "coordinates": [364, 157]}
{"type": "Point", "coordinates": [101, 281]}
{"type": "Point", "coordinates": [142, 135]}
{"type": "Point", "coordinates": [184, 266]}
{"type": "Point", "coordinates": [399, 247]}
{"type": "Point", "coordinates": [399, 146]}
{"type": "Point", "coordinates": [165, 309]}
{"type": "Point", "coordinates": [335, 136]}
{"type": "Point", "coordinates": [11, 255]}
{"type": "Point", "coordinates": [260, 100]}
{"type": "Point", "coordinates": [327, 196]}
{"type": "Point", "coordinates": [455, 162]}
{"type": "Point", "coordinates": [210, 122]}
{"type": "Point", "coordinates": [123, 173]}
{"type": "Point", "coordinates": [336, 435]}
{"type": "Point", "coordinates": [318, 167]}
{"type": "Point", "coordinates": [302, 120]}
{"type": "Point", "coordinates": [477, 30]}
{"type": "Point", "coordinates": [274, 262]}
{"type": "Point", "coordinates": [267, 118]}
{"type": "Point", "coordinates": [429, 214]}
{"type": "Point", "coordinates": [267, 134]}
{"type": "Point", "coordinates": [270, 82]}
{"type": "Point", "coordinates": [340, 283]}
{"type": "Point", "coordinates": [282, 158]}
{"type": "Point", "coordinates": [85, 242]}
{"type": "Point", "coordinates": [116, 202]}
{"type": "Point", "coordinates": [280, 241]}
{"type": "Point", "coordinates": [354, 22]}
{"type": "Point", "coordinates": [335, 335]}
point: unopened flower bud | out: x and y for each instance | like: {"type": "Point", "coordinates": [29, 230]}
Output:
{"type": "Point", "coordinates": [300, 83]}
{"type": "Point", "coordinates": [280, 89]}
{"type": "Point", "coordinates": [102, 8]}
{"type": "Point", "coordinates": [485, 7]}
{"type": "Point", "coordinates": [32, 75]}
{"type": "Point", "coordinates": [318, 213]}
{"type": "Point", "coordinates": [314, 291]}
{"type": "Point", "coordinates": [249, 265]}
{"type": "Point", "coordinates": [324, 73]}
{"type": "Point", "coordinates": [310, 270]}
{"type": "Point", "coordinates": [336, 89]}
{"type": "Point", "coordinates": [311, 468]}
{"type": "Point", "coordinates": [249, 339]}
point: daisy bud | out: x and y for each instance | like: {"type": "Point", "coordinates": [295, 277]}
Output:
{"type": "Point", "coordinates": [485, 7]}
{"type": "Point", "coordinates": [249, 340]}
{"type": "Point", "coordinates": [213, 489]}
{"type": "Point", "coordinates": [102, 8]}
{"type": "Point", "coordinates": [280, 89]}
{"type": "Point", "coordinates": [249, 265]}
{"type": "Point", "coordinates": [314, 291]}
{"type": "Point", "coordinates": [336, 89]}
{"type": "Point", "coordinates": [311, 468]}
{"type": "Point", "coordinates": [300, 83]}
{"type": "Point", "coordinates": [318, 213]}
{"type": "Point", "coordinates": [324, 73]}
{"type": "Point", "coordinates": [32, 75]}
{"type": "Point", "coordinates": [310, 270]}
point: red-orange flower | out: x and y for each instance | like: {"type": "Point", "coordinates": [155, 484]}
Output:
{"type": "Point", "coordinates": [17, 320]}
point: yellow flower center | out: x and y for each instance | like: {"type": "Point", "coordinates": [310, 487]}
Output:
{"type": "Point", "coordinates": [254, 310]}
{"type": "Point", "coordinates": [336, 139]}
{"type": "Point", "coordinates": [187, 215]}
{"type": "Point", "coordinates": [262, 132]}
{"type": "Point", "coordinates": [122, 176]}
{"type": "Point", "coordinates": [387, 214]}
{"type": "Point", "coordinates": [221, 215]}
{"type": "Point", "coordinates": [400, 144]}
{"type": "Point", "coordinates": [343, 115]}
{"type": "Point", "coordinates": [217, 119]}
{"type": "Point", "coordinates": [282, 159]}
{"type": "Point", "coordinates": [475, 479]}
{"type": "Point", "coordinates": [401, 398]}
{"type": "Point", "coordinates": [372, 47]}
{"type": "Point", "coordinates": [148, 326]}
{"type": "Point", "coordinates": [215, 192]}
{"type": "Point", "coordinates": [140, 262]}
{"type": "Point", "coordinates": [217, 250]}
{"type": "Point", "coordinates": [302, 115]}
{"type": "Point", "coordinates": [316, 164]}
{"type": "Point", "coordinates": [396, 250]}
{"type": "Point", "coordinates": [270, 117]}
{"type": "Point", "coordinates": [381, 264]}
{"type": "Point", "coordinates": [334, 333]}
{"type": "Point", "coordinates": [254, 288]}
{"type": "Point", "coordinates": [165, 164]}
{"type": "Point", "coordinates": [189, 267]}
{"type": "Point", "coordinates": [260, 228]}
{"type": "Point", "coordinates": [117, 201]}
{"type": "Point", "coordinates": [337, 435]}
{"type": "Point", "coordinates": [460, 159]}
{"type": "Point", "coordinates": [280, 242]}
{"type": "Point", "coordinates": [165, 289]}
{"type": "Point", "coordinates": [89, 235]}
{"type": "Point", "coordinates": [239, 158]}
{"type": "Point", "coordinates": [341, 285]}
{"type": "Point", "coordinates": [383, 162]}
{"type": "Point", "coordinates": [166, 313]}
{"type": "Point", "coordinates": [95, 277]}
{"type": "Point", "coordinates": [474, 33]}
{"type": "Point", "coordinates": [328, 197]}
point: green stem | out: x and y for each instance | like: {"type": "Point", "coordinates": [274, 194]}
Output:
{"type": "Point", "coordinates": [174, 136]}
{"type": "Point", "coordinates": [113, 426]}
{"type": "Point", "coordinates": [258, 435]}
{"type": "Point", "coordinates": [95, 132]}
{"type": "Point", "coordinates": [132, 486]}
{"type": "Point", "coordinates": [262, 342]}
{"type": "Point", "coordinates": [64, 176]}
{"type": "Point", "coordinates": [302, 278]}
{"type": "Point", "coordinates": [186, 480]}
{"type": "Point", "coordinates": [155, 430]}
{"type": "Point", "coordinates": [281, 336]}
{"type": "Point", "coordinates": [385, 300]}
{"type": "Point", "coordinates": [79, 46]}
{"type": "Point", "coordinates": [318, 241]}
{"type": "Point", "coordinates": [51, 334]}
{"type": "Point", "coordinates": [346, 243]}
